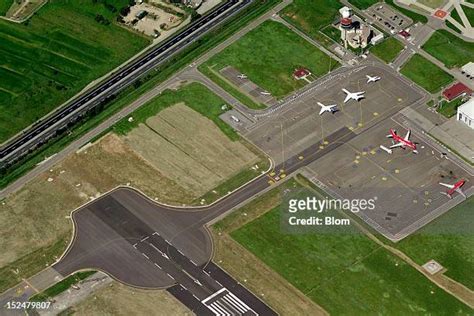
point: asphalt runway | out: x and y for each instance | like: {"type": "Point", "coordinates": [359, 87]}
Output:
{"type": "Point", "coordinates": [149, 245]}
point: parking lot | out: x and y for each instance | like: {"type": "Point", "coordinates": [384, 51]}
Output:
{"type": "Point", "coordinates": [384, 15]}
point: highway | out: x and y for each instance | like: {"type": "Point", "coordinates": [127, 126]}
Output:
{"type": "Point", "coordinates": [43, 130]}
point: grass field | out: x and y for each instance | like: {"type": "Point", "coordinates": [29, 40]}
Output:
{"type": "Point", "coordinates": [345, 272]}
{"type": "Point", "coordinates": [311, 15]}
{"type": "Point", "coordinates": [449, 109]}
{"type": "Point", "coordinates": [195, 95]}
{"type": "Point", "coordinates": [190, 149]}
{"type": "Point", "coordinates": [449, 240]}
{"type": "Point", "coordinates": [120, 300]}
{"type": "Point", "coordinates": [388, 50]}
{"type": "Point", "coordinates": [4, 6]}
{"type": "Point", "coordinates": [469, 12]}
{"type": "Point", "coordinates": [426, 74]}
{"type": "Point", "coordinates": [54, 55]}
{"type": "Point", "coordinates": [284, 51]}
{"type": "Point", "coordinates": [363, 4]}
{"type": "Point", "coordinates": [449, 49]}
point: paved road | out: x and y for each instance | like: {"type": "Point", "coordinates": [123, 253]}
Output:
{"type": "Point", "coordinates": [41, 131]}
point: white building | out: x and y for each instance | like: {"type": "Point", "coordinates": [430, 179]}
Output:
{"type": "Point", "coordinates": [468, 69]}
{"type": "Point", "coordinates": [466, 113]}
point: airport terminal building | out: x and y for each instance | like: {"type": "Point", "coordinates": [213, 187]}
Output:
{"type": "Point", "coordinates": [466, 113]}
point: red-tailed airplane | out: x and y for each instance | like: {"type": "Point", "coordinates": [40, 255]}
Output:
{"type": "Point", "coordinates": [454, 188]}
{"type": "Point", "coordinates": [402, 142]}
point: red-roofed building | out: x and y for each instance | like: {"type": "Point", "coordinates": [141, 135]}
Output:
{"type": "Point", "coordinates": [455, 91]}
{"type": "Point", "coordinates": [301, 73]}
{"type": "Point", "coordinates": [405, 34]}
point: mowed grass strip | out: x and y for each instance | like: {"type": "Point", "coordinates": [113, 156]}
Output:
{"type": "Point", "coordinates": [344, 271]}
{"type": "Point", "coordinates": [426, 74]}
{"type": "Point", "coordinates": [449, 49]}
{"type": "Point", "coordinates": [388, 50]}
{"type": "Point", "coordinates": [4, 6]}
{"type": "Point", "coordinates": [311, 15]}
{"type": "Point", "coordinates": [363, 4]}
{"type": "Point", "coordinates": [49, 59]}
{"type": "Point", "coordinates": [448, 240]}
{"type": "Point", "coordinates": [269, 54]}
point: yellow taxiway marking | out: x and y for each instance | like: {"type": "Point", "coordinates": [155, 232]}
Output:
{"type": "Point", "coordinates": [325, 142]}
{"type": "Point", "coordinates": [300, 157]}
{"type": "Point", "coordinates": [321, 147]}
{"type": "Point", "coordinates": [282, 170]}
{"type": "Point", "coordinates": [372, 152]}
{"type": "Point", "coordinates": [272, 173]}
{"type": "Point", "coordinates": [351, 128]}
{"type": "Point", "coordinates": [364, 153]}
{"type": "Point", "coordinates": [271, 182]}
{"type": "Point", "coordinates": [360, 124]}
{"type": "Point", "coordinates": [282, 175]}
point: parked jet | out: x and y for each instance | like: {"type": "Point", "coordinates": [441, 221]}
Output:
{"type": "Point", "coordinates": [402, 142]}
{"type": "Point", "coordinates": [327, 108]}
{"type": "Point", "coordinates": [454, 188]}
{"type": "Point", "coordinates": [372, 79]}
{"type": "Point", "coordinates": [242, 76]}
{"type": "Point", "coordinates": [353, 95]}
{"type": "Point", "coordinates": [265, 93]}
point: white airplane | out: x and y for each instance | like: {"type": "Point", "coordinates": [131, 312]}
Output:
{"type": "Point", "coordinates": [242, 76]}
{"type": "Point", "coordinates": [372, 79]}
{"type": "Point", "coordinates": [327, 108]}
{"type": "Point", "coordinates": [265, 93]}
{"type": "Point", "coordinates": [353, 95]}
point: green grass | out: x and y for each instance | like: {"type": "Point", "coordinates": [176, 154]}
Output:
{"type": "Point", "coordinates": [449, 49]}
{"type": "Point", "coordinates": [311, 15]}
{"type": "Point", "coordinates": [4, 6]}
{"type": "Point", "coordinates": [50, 58]}
{"type": "Point", "coordinates": [449, 240]}
{"type": "Point", "coordinates": [344, 271]}
{"type": "Point", "coordinates": [130, 94]}
{"type": "Point", "coordinates": [61, 286]}
{"type": "Point", "coordinates": [426, 74]}
{"type": "Point", "coordinates": [31, 264]}
{"type": "Point", "coordinates": [332, 32]}
{"type": "Point", "coordinates": [363, 4]}
{"type": "Point", "coordinates": [469, 12]}
{"type": "Point", "coordinates": [388, 50]}
{"type": "Point", "coordinates": [283, 51]}
{"type": "Point", "coordinates": [194, 95]}
{"type": "Point", "coordinates": [449, 109]}
{"type": "Point", "coordinates": [416, 17]}
{"type": "Point", "coordinates": [452, 26]}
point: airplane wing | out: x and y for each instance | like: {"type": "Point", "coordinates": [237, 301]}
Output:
{"type": "Point", "coordinates": [397, 145]}
{"type": "Point", "coordinates": [458, 190]}
{"type": "Point", "coordinates": [450, 186]}
{"type": "Point", "coordinates": [322, 111]}
{"type": "Point", "coordinates": [408, 135]}
{"type": "Point", "coordinates": [348, 97]}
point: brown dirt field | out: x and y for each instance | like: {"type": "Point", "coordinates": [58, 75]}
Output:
{"type": "Point", "coordinates": [190, 149]}
{"type": "Point", "coordinates": [249, 270]}
{"type": "Point", "coordinates": [37, 215]}
{"type": "Point", "coordinates": [118, 299]}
